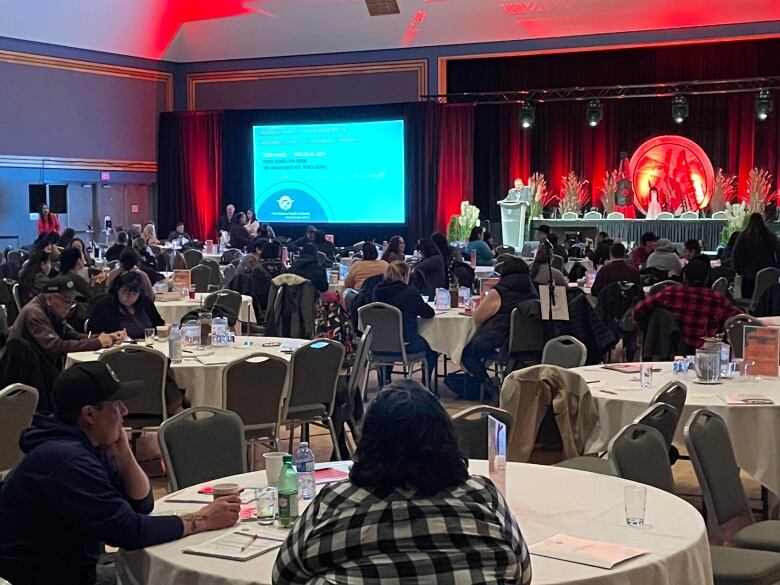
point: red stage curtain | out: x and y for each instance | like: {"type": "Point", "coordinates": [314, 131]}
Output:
{"type": "Point", "coordinates": [190, 172]}
{"type": "Point", "coordinates": [514, 147]}
{"type": "Point", "coordinates": [456, 162]}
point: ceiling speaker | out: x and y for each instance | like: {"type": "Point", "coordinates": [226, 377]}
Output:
{"type": "Point", "coordinates": [382, 7]}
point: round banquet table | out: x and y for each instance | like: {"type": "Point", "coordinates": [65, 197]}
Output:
{"type": "Point", "coordinates": [201, 375]}
{"type": "Point", "coordinates": [173, 311]}
{"type": "Point", "coordinates": [448, 332]}
{"type": "Point", "coordinates": [749, 426]}
{"type": "Point", "coordinates": [545, 500]}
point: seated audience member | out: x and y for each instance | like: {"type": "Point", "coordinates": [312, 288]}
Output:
{"type": "Point", "coordinates": [79, 485]}
{"type": "Point", "coordinates": [395, 250]}
{"type": "Point", "coordinates": [179, 236]}
{"type": "Point", "coordinates": [617, 269]}
{"type": "Point", "coordinates": [448, 253]}
{"type": "Point", "coordinates": [493, 315]}
{"type": "Point", "coordinates": [324, 246]}
{"type": "Point", "coordinates": [369, 266]}
{"type": "Point", "coordinates": [125, 308]}
{"type": "Point", "coordinates": [34, 275]}
{"type": "Point", "coordinates": [431, 266]}
{"type": "Point", "coordinates": [271, 259]}
{"type": "Point", "coordinates": [756, 248]}
{"type": "Point", "coordinates": [42, 323]}
{"type": "Point", "coordinates": [309, 236]}
{"type": "Point", "coordinates": [128, 261]}
{"type": "Point", "coordinates": [252, 225]}
{"type": "Point", "coordinates": [542, 272]}
{"type": "Point", "coordinates": [146, 260]}
{"type": "Point", "coordinates": [149, 234]}
{"type": "Point", "coordinates": [47, 221]}
{"type": "Point", "coordinates": [225, 220]}
{"type": "Point", "coordinates": [691, 249]}
{"type": "Point", "coordinates": [67, 237]}
{"type": "Point", "coordinates": [253, 255]}
{"type": "Point", "coordinates": [122, 241]}
{"type": "Point", "coordinates": [638, 257]}
{"type": "Point", "coordinates": [239, 237]}
{"type": "Point", "coordinates": [395, 291]}
{"type": "Point", "coordinates": [406, 519]}
{"type": "Point", "coordinates": [664, 258]}
{"type": "Point", "coordinates": [266, 231]}
{"type": "Point", "coordinates": [79, 244]}
{"type": "Point", "coordinates": [699, 310]}
{"type": "Point", "coordinates": [726, 254]}
{"type": "Point", "coordinates": [48, 243]}
{"type": "Point", "coordinates": [477, 244]}
{"type": "Point", "coordinates": [487, 237]}
{"type": "Point", "coordinates": [308, 266]}
{"type": "Point", "coordinates": [558, 249]}
{"type": "Point", "coordinates": [600, 254]}
{"type": "Point", "coordinates": [71, 265]}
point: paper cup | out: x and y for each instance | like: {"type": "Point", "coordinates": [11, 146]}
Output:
{"type": "Point", "coordinates": [225, 489]}
{"type": "Point", "coordinates": [162, 331]}
{"type": "Point", "coordinates": [273, 467]}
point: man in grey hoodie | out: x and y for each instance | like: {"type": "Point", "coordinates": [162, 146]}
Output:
{"type": "Point", "coordinates": [665, 258]}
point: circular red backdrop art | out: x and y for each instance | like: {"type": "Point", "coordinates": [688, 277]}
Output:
{"type": "Point", "coordinates": [678, 168]}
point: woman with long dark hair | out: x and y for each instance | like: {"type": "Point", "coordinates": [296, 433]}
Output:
{"type": "Point", "coordinates": [47, 221]}
{"type": "Point", "coordinates": [432, 267]}
{"type": "Point", "coordinates": [395, 250]}
{"type": "Point", "coordinates": [478, 245]}
{"type": "Point", "coordinates": [756, 248]}
{"type": "Point", "coordinates": [410, 512]}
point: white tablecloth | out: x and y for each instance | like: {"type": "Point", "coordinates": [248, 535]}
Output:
{"type": "Point", "coordinates": [173, 311]}
{"type": "Point", "coordinates": [545, 501]}
{"type": "Point", "coordinates": [448, 332]}
{"type": "Point", "coordinates": [755, 430]}
{"type": "Point", "coordinates": [203, 383]}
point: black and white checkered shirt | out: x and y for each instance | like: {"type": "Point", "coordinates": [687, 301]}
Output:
{"type": "Point", "coordinates": [461, 535]}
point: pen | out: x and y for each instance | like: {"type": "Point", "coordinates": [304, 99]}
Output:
{"type": "Point", "coordinates": [252, 538]}
{"type": "Point", "coordinates": [608, 392]}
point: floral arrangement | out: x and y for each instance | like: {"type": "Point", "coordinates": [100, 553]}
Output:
{"type": "Point", "coordinates": [759, 191]}
{"type": "Point", "coordinates": [724, 190]}
{"type": "Point", "coordinates": [609, 189]}
{"type": "Point", "coordinates": [540, 196]}
{"type": "Point", "coordinates": [461, 225]}
{"type": "Point", "coordinates": [736, 220]}
{"type": "Point", "coordinates": [574, 194]}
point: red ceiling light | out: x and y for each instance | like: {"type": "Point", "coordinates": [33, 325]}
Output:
{"type": "Point", "coordinates": [412, 30]}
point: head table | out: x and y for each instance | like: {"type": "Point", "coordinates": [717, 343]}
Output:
{"type": "Point", "coordinates": [754, 429]}
{"type": "Point", "coordinates": [545, 501]}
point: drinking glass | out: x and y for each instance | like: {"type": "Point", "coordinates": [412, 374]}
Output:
{"type": "Point", "coordinates": [191, 334]}
{"type": "Point", "coordinates": [634, 498]}
{"type": "Point", "coordinates": [708, 365]}
{"type": "Point", "coordinates": [646, 375]}
{"type": "Point", "coordinates": [149, 336]}
{"type": "Point", "coordinates": [265, 505]}
{"type": "Point", "coordinates": [204, 320]}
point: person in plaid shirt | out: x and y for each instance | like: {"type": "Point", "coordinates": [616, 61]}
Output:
{"type": "Point", "coordinates": [700, 311]}
{"type": "Point", "coordinates": [409, 513]}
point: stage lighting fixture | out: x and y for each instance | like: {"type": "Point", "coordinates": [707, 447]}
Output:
{"type": "Point", "coordinates": [594, 112]}
{"type": "Point", "coordinates": [527, 115]}
{"type": "Point", "coordinates": [764, 104]}
{"type": "Point", "coordinates": [679, 109]}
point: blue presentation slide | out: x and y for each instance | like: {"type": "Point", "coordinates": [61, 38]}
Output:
{"type": "Point", "coordinates": [330, 173]}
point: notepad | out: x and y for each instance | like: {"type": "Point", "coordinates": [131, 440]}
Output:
{"type": "Point", "coordinates": [626, 368]}
{"type": "Point", "coordinates": [213, 360]}
{"type": "Point", "coordinates": [238, 545]}
{"type": "Point", "coordinates": [329, 474]}
{"type": "Point", "coordinates": [594, 553]}
{"type": "Point", "coordinates": [745, 399]}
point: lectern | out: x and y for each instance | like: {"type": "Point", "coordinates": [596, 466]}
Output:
{"type": "Point", "coordinates": [513, 222]}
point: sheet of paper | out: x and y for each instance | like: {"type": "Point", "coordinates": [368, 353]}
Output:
{"type": "Point", "coordinates": [746, 399]}
{"type": "Point", "coordinates": [595, 553]}
{"type": "Point", "coordinates": [238, 545]}
{"type": "Point", "coordinates": [560, 310]}
{"type": "Point", "coordinates": [329, 474]}
{"type": "Point", "coordinates": [213, 360]}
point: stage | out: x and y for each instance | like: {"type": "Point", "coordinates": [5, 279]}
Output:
{"type": "Point", "coordinates": [631, 230]}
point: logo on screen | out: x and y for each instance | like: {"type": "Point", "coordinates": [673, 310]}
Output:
{"type": "Point", "coordinates": [285, 203]}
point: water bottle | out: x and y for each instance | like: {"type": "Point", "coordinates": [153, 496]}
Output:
{"type": "Point", "coordinates": [304, 463]}
{"type": "Point", "coordinates": [174, 344]}
{"type": "Point", "coordinates": [287, 488]}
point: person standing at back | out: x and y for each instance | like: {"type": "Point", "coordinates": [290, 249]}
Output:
{"type": "Point", "coordinates": [756, 248]}
{"type": "Point", "coordinates": [47, 221]}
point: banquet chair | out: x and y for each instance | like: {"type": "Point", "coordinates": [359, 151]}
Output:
{"type": "Point", "coordinates": [200, 444]}
{"type": "Point", "coordinates": [719, 215]}
{"type": "Point", "coordinates": [764, 279]}
{"type": "Point", "coordinates": [734, 327]}
{"type": "Point", "coordinates": [616, 215]}
{"type": "Point", "coordinates": [721, 285]}
{"type": "Point", "coordinates": [709, 445]}
{"type": "Point", "coordinates": [199, 278]}
{"type": "Point", "coordinates": [229, 255]}
{"type": "Point", "coordinates": [565, 351]}
{"type": "Point", "coordinates": [526, 340]}
{"type": "Point", "coordinates": [136, 362]}
{"type": "Point", "coordinates": [673, 393]}
{"type": "Point", "coordinates": [689, 215]}
{"type": "Point", "coordinates": [659, 286]}
{"type": "Point", "coordinates": [215, 273]}
{"type": "Point", "coordinates": [17, 297]}
{"type": "Point", "coordinates": [557, 262]}
{"type": "Point", "coordinates": [349, 295]}
{"type": "Point", "coordinates": [17, 406]}
{"type": "Point", "coordinates": [471, 428]}
{"type": "Point", "coordinates": [389, 347]}
{"type": "Point", "coordinates": [505, 250]}
{"type": "Point", "coordinates": [179, 263]}
{"type": "Point", "coordinates": [192, 258]}
{"type": "Point", "coordinates": [254, 387]}
{"type": "Point", "coordinates": [662, 417]}
{"type": "Point", "coordinates": [351, 393]}
{"type": "Point", "coordinates": [230, 272]}
{"type": "Point", "coordinates": [311, 396]}
{"type": "Point", "coordinates": [227, 299]}
{"type": "Point", "coordinates": [665, 215]}
{"type": "Point", "coordinates": [638, 453]}
{"type": "Point", "coordinates": [592, 215]}
{"type": "Point", "coordinates": [569, 215]}
{"type": "Point", "coordinates": [464, 273]}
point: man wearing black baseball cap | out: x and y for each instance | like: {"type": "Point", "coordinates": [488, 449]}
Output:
{"type": "Point", "coordinates": [542, 233]}
{"type": "Point", "coordinates": [42, 323]}
{"type": "Point", "coordinates": [79, 485]}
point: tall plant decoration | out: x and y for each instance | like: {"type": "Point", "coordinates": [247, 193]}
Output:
{"type": "Point", "coordinates": [759, 191]}
{"type": "Point", "coordinates": [609, 189]}
{"type": "Point", "coordinates": [574, 194]}
{"type": "Point", "coordinates": [724, 190]}
{"type": "Point", "coordinates": [540, 196]}
{"type": "Point", "coordinates": [736, 220]}
{"type": "Point", "coordinates": [461, 225]}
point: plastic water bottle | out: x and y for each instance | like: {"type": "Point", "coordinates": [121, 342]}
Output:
{"type": "Point", "coordinates": [287, 493]}
{"type": "Point", "coordinates": [304, 463]}
{"type": "Point", "coordinates": [174, 344]}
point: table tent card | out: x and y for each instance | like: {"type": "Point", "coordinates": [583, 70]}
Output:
{"type": "Point", "coordinates": [762, 347]}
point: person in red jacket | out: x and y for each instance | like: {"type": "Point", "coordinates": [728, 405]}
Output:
{"type": "Point", "coordinates": [47, 221]}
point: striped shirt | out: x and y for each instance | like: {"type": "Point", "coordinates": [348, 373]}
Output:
{"type": "Point", "coordinates": [464, 534]}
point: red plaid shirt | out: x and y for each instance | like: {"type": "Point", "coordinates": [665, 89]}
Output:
{"type": "Point", "coordinates": [700, 312]}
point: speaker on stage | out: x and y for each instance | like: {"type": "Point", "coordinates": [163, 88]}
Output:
{"type": "Point", "coordinates": [58, 198]}
{"type": "Point", "coordinates": [37, 197]}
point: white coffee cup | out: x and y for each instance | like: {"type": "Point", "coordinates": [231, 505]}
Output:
{"type": "Point", "coordinates": [273, 466]}
{"type": "Point", "coordinates": [221, 490]}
